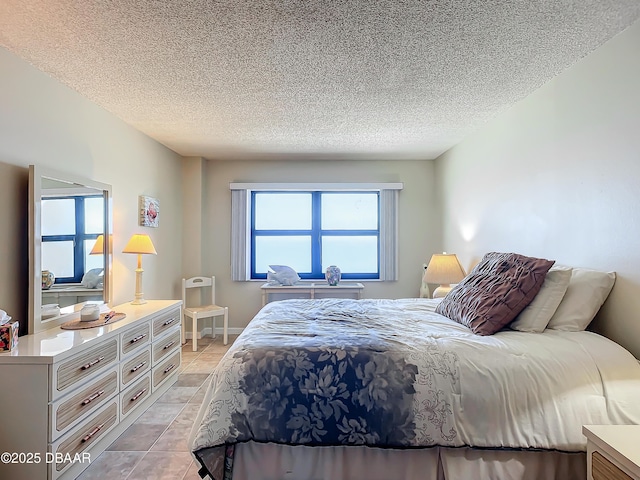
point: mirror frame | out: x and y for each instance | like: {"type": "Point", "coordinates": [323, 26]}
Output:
{"type": "Point", "coordinates": [36, 173]}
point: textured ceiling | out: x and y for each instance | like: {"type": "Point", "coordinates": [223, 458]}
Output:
{"type": "Point", "coordinates": [308, 79]}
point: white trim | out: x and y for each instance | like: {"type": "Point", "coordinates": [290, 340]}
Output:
{"type": "Point", "coordinates": [219, 331]}
{"type": "Point", "coordinates": [70, 192]}
{"type": "Point", "coordinates": [316, 186]}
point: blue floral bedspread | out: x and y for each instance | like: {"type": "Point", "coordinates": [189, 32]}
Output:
{"type": "Point", "coordinates": [318, 395]}
{"type": "Point", "coordinates": [387, 373]}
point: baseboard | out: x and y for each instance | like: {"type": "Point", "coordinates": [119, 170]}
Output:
{"type": "Point", "coordinates": [219, 331]}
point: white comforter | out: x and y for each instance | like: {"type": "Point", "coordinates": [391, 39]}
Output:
{"type": "Point", "coordinates": [512, 389]}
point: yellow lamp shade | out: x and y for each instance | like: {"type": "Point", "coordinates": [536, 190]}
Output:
{"type": "Point", "coordinates": [140, 244]}
{"type": "Point", "coordinates": [98, 247]}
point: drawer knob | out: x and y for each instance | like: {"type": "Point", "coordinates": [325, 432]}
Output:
{"type": "Point", "coordinates": [168, 345]}
{"type": "Point", "coordinates": [88, 436]}
{"type": "Point", "coordinates": [169, 322]}
{"type": "Point", "coordinates": [92, 363]}
{"type": "Point", "coordinates": [169, 368]}
{"type": "Point", "coordinates": [137, 395]}
{"type": "Point", "coordinates": [138, 367]}
{"type": "Point", "coordinates": [138, 338]}
{"type": "Point", "coordinates": [91, 398]}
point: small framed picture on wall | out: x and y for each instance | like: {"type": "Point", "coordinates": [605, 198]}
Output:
{"type": "Point", "coordinates": [149, 211]}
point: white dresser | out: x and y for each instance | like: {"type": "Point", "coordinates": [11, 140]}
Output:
{"type": "Point", "coordinates": [67, 394]}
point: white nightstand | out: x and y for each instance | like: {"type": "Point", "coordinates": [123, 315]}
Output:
{"type": "Point", "coordinates": [613, 452]}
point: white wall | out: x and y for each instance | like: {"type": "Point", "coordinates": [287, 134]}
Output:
{"type": "Point", "coordinates": [418, 220]}
{"type": "Point", "coordinates": [558, 176]}
{"type": "Point", "coordinates": [44, 122]}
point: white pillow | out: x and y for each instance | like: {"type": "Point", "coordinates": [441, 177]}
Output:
{"type": "Point", "coordinates": [588, 289]}
{"type": "Point", "coordinates": [536, 315]}
{"type": "Point", "coordinates": [282, 275]}
{"type": "Point", "coordinates": [93, 278]}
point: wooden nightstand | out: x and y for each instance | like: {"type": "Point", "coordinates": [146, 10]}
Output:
{"type": "Point", "coordinates": [613, 452]}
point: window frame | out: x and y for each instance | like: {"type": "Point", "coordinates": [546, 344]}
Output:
{"type": "Point", "coordinates": [241, 222]}
{"type": "Point", "coordinates": [79, 266]}
{"type": "Point", "coordinates": [316, 234]}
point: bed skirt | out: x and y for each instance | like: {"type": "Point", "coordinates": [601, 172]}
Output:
{"type": "Point", "coordinates": [258, 461]}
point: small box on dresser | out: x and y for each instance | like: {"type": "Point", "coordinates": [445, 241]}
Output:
{"type": "Point", "coordinates": [613, 452]}
{"type": "Point", "coordinates": [75, 391]}
{"type": "Point", "coordinates": [9, 335]}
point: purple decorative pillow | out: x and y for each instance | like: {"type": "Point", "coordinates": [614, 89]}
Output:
{"type": "Point", "coordinates": [495, 292]}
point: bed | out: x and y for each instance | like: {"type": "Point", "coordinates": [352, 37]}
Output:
{"type": "Point", "coordinates": [377, 388]}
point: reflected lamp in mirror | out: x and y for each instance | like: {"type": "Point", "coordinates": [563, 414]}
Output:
{"type": "Point", "coordinates": [443, 269]}
{"type": "Point", "coordinates": [98, 247]}
{"type": "Point", "coordinates": [140, 245]}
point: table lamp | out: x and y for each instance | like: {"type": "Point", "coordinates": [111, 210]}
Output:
{"type": "Point", "coordinates": [443, 269]}
{"type": "Point", "coordinates": [141, 245]}
{"type": "Point", "coordinates": [98, 247]}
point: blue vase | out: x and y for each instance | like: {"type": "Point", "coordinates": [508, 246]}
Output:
{"type": "Point", "coordinates": [332, 274]}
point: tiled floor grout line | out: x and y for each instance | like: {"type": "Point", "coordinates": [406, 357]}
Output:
{"type": "Point", "coordinates": [135, 465]}
{"type": "Point", "coordinates": [156, 441]}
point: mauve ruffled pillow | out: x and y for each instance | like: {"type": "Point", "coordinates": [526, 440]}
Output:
{"type": "Point", "coordinates": [495, 292]}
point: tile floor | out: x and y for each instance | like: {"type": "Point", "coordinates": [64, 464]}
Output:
{"type": "Point", "coordinates": [155, 445]}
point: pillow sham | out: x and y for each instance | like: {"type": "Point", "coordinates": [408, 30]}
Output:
{"type": "Point", "coordinates": [497, 289]}
{"type": "Point", "coordinates": [587, 291]}
{"type": "Point", "coordinates": [282, 275]}
{"type": "Point", "coordinates": [536, 316]}
{"type": "Point", "coordinates": [93, 278]}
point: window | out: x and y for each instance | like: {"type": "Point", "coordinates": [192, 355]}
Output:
{"type": "Point", "coordinates": [311, 230]}
{"type": "Point", "coordinates": [70, 226]}
{"type": "Point", "coordinates": [312, 226]}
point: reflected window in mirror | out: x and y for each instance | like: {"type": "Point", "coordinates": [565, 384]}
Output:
{"type": "Point", "coordinates": [70, 227]}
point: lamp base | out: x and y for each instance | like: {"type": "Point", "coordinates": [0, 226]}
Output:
{"type": "Point", "coordinates": [139, 296]}
{"type": "Point", "coordinates": [441, 291]}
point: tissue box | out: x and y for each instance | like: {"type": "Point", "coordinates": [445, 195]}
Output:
{"type": "Point", "coordinates": [9, 335]}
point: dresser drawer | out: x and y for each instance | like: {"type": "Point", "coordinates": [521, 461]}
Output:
{"type": "Point", "coordinates": [165, 321]}
{"type": "Point", "coordinates": [88, 433]}
{"type": "Point", "coordinates": [166, 369]}
{"type": "Point", "coordinates": [137, 366]}
{"type": "Point", "coordinates": [135, 338]}
{"type": "Point", "coordinates": [135, 395]}
{"type": "Point", "coordinates": [87, 363]}
{"type": "Point", "coordinates": [83, 403]}
{"type": "Point", "coordinates": [165, 346]}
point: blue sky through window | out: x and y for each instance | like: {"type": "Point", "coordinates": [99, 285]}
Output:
{"type": "Point", "coordinates": [309, 231]}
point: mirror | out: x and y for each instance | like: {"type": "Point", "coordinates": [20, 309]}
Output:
{"type": "Point", "coordinates": [69, 233]}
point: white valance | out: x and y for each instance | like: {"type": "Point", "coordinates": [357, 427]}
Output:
{"type": "Point", "coordinates": [312, 187]}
